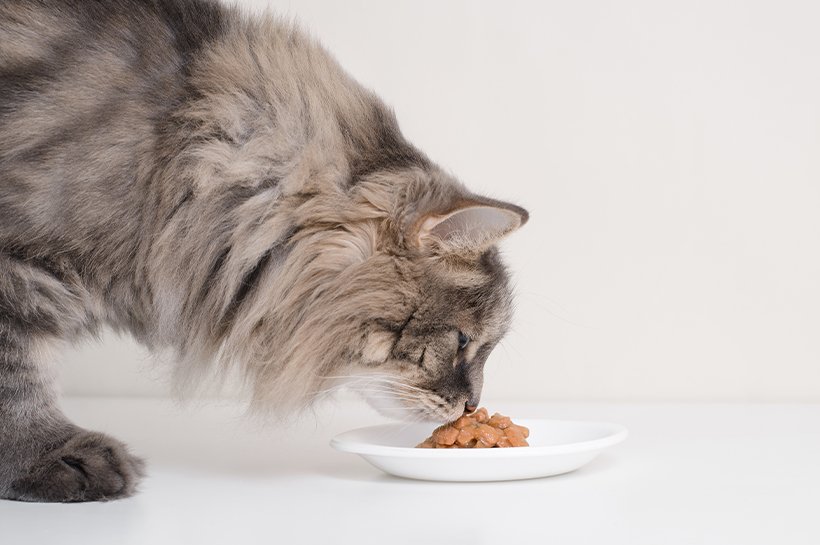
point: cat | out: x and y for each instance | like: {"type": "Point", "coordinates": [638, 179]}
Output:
{"type": "Point", "coordinates": [214, 184]}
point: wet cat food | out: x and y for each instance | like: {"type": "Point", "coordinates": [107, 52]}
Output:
{"type": "Point", "coordinates": [478, 430]}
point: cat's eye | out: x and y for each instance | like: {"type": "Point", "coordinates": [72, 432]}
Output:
{"type": "Point", "coordinates": [463, 340]}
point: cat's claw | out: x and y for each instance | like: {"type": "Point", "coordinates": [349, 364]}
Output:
{"type": "Point", "coordinates": [90, 466]}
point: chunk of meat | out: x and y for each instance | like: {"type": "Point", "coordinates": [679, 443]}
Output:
{"type": "Point", "coordinates": [478, 430]}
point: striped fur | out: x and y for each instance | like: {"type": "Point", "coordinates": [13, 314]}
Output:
{"type": "Point", "coordinates": [217, 186]}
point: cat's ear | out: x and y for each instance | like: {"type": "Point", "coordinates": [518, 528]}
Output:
{"type": "Point", "coordinates": [472, 225]}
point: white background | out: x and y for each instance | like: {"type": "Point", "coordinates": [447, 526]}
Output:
{"type": "Point", "coordinates": [668, 154]}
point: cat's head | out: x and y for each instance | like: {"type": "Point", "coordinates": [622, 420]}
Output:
{"type": "Point", "coordinates": [392, 286]}
{"type": "Point", "coordinates": [323, 247]}
{"type": "Point", "coordinates": [440, 300]}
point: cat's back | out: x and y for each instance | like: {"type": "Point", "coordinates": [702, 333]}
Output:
{"type": "Point", "coordinates": [73, 64]}
{"type": "Point", "coordinates": [113, 112]}
{"type": "Point", "coordinates": [84, 86]}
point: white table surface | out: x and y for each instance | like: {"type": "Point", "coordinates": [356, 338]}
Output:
{"type": "Point", "coordinates": [693, 474]}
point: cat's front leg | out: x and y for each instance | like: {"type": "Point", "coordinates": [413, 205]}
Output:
{"type": "Point", "coordinates": [43, 456]}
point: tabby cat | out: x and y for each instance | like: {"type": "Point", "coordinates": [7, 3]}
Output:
{"type": "Point", "coordinates": [214, 184]}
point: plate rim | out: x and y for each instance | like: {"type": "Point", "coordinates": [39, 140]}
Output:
{"type": "Point", "coordinates": [618, 434]}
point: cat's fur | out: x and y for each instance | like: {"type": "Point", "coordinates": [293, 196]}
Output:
{"type": "Point", "coordinates": [215, 185]}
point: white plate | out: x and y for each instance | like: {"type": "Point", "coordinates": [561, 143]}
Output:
{"type": "Point", "coordinates": [556, 446]}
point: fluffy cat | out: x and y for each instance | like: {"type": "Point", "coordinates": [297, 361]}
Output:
{"type": "Point", "coordinates": [214, 184]}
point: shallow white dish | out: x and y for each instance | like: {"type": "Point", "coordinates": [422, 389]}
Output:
{"type": "Point", "coordinates": [556, 447]}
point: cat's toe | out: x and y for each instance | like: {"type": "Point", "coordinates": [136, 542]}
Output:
{"type": "Point", "coordinates": [90, 466]}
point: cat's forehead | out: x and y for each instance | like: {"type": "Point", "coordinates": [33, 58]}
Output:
{"type": "Point", "coordinates": [475, 293]}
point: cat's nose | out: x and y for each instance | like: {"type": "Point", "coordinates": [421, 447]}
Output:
{"type": "Point", "coordinates": [470, 406]}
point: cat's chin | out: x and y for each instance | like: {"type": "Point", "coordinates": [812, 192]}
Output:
{"type": "Point", "coordinates": [418, 412]}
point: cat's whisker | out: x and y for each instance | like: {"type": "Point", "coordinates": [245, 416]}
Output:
{"type": "Point", "coordinates": [387, 393]}
{"type": "Point", "coordinates": [389, 389]}
{"type": "Point", "coordinates": [383, 377]}
{"type": "Point", "coordinates": [391, 378]}
{"type": "Point", "coordinates": [352, 384]}
{"type": "Point", "coordinates": [402, 385]}
{"type": "Point", "coordinates": [390, 395]}
{"type": "Point", "coordinates": [393, 398]}
{"type": "Point", "coordinates": [404, 391]}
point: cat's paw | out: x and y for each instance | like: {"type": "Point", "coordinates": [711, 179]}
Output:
{"type": "Point", "coordinates": [90, 466]}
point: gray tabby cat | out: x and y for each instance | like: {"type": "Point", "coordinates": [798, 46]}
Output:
{"type": "Point", "coordinates": [215, 185]}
